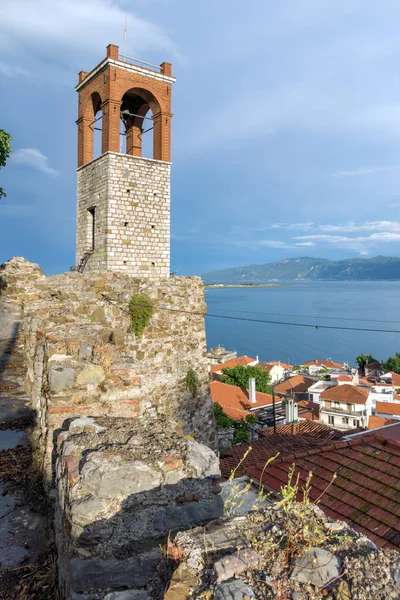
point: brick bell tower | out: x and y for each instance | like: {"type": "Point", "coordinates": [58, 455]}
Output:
{"type": "Point", "coordinates": [123, 203]}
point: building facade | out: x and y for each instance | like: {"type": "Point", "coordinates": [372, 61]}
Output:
{"type": "Point", "coordinates": [345, 406]}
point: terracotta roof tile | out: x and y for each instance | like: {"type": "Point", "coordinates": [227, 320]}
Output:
{"type": "Point", "coordinates": [263, 449]}
{"type": "Point", "coordinates": [366, 491]}
{"type": "Point", "coordinates": [375, 365]}
{"type": "Point", "coordinates": [395, 379]}
{"type": "Point", "coordinates": [329, 364]}
{"type": "Point", "coordinates": [349, 394]}
{"type": "Point", "coordinates": [270, 364]}
{"type": "Point", "coordinates": [296, 384]}
{"type": "Point", "coordinates": [234, 362]}
{"type": "Point", "coordinates": [235, 400]}
{"type": "Point", "coordinates": [307, 427]}
{"type": "Point", "coordinates": [376, 422]}
{"type": "Point", "coordinates": [388, 408]}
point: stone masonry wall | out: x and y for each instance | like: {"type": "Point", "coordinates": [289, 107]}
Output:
{"type": "Point", "coordinates": [123, 487]}
{"type": "Point", "coordinates": [83, 359]}
{"type": "Point", "coordinates": [92, 193]}
{"type": "Point", "coordinates": [131, 196]}
{"type": "Point", "coordinates": [116, 427]}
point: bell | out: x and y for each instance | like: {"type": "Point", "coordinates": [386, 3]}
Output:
{"type": "Point", "coordinates": [125, 114]}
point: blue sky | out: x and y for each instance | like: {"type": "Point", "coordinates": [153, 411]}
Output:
{"type": "Point", "coordinates": [285, 134]}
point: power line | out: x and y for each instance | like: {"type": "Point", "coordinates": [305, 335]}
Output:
{"type": "Point", "coordinates": [299, 324]}
{"type": "Point", "coordinates": [269, 322]}
{"type": "Point", "coordinates": [257, 312]}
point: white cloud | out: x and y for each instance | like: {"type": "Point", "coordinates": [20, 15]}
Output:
{"type": "Point", "coordinates": [62, 34]}
{"type": "Point", "coordinates": [366, 171]}
{"type": "Point", "coordinates": [385, 236]}
{"type": "Point", "coordinates": [34, 159]}
{"type": "Point", "coordinates": [351, 226]}
{"type": "Point", "coordinates": [290, 226]}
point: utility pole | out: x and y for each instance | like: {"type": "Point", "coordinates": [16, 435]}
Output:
{"type": "Point", "coordinates": [273, 408]}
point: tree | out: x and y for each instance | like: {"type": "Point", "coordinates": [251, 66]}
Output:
{"type": "Point", "coordinates": [240, 376]}
{"type": "Point", "coordinates": [365, 359]}
{"type": "Point", "coordinates": [5, 151]}
{"type": "Point", "coordinates": [242, 428]}
{"type": "Point", "coordinates": [392, 364]}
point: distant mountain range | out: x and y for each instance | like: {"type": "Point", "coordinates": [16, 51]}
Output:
{"type": "Point", "coordinates": [379, 268]}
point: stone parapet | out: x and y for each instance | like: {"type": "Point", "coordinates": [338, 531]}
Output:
{"type": "Point", "coordinates": [123, 486]}
{"type": "Point", "coordinates": [119, 431]}
{"type": "Point", "coordinates": [84, 360]}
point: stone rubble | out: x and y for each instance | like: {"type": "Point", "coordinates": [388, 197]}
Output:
{"type": "Point", "coordinates": [248, 557]}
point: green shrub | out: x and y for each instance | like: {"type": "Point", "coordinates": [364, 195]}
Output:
{"type": "Point", "coordinates": [222, 420]}
{"type": "Point", "coordinates": [192, 382]}
{"type": "Point", "coordinates": [141, 310]}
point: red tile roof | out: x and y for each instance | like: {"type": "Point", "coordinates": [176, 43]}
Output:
{"type": "Point", "coordinates": [375, 365]}
{"type": "Point", "coordinates": [234, 362]}
{"type": "Point", "coordinates": [329, 364]}
{"type": "Point", "coordinates": [388, 408]}
{"type": "Point", "coordinates": [296, 384]}
{"type": "Point", "coordinates": [308, 428]}
{"type": "Point", "coordinates": [270, 364]}
{"type": "Point", "coordinates": [366, 490]}
{"type": "Point", "coordinates": [235, 400]}
{"type": "Point", "coordinates": [344, 378]}
{"type": "Point", "coordinates": [263, 449]}
{"type": "Point", "coordinates": [308, 410]}
{"type": "Point", "coordinates": [395, 379]}
{"type": "Point", "coordinates": [376, 422]}
{"type": "Point", "coordinates": [348, 394]}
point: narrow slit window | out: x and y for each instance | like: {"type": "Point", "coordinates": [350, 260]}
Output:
{"type": "Point", "coordinates": [92, 227]}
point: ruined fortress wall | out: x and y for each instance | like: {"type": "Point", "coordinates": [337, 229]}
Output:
{"type": "Point", "coordinates": [116, 426]}
{"type": "Point", "coordinates": [131, 198]}
{"type": "Point", "coordinates": [124, 486]}
{"type": "Point", "coordinates": [84, 360]}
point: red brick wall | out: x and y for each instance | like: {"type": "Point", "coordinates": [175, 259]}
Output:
{"type": "Point", "coordinates": [111, 83]}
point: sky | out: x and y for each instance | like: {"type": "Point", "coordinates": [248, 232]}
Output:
{"type": "Point", "coordinates": [286, 128]}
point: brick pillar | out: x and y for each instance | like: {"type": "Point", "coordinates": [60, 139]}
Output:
{"type": "Point", "coordinates": [162, 136]}
{"type": "Point", "coordinates": [134, 141]}
{"type": "Point", "coordinates": [85, 140]}
{"type": "Point", "coordinates": [166, 69]}
{"type": "Point", "coordinates": [110, 126]}
{"type": "Point", "coordinates": [112, 51]}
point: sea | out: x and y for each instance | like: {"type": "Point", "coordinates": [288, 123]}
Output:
{"type": "Point", "coordinates": [362, 308]}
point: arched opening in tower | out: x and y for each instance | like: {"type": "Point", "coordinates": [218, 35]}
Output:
{"type": "Point", "coordinates": [139, 112]}
{"type": "Point", "coordinates": [96, 126]}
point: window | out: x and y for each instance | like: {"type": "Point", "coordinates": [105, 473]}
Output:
{"type": "Point", "coordinates": [331, 419]}
{"type": "Point", "coordinates": [345, 420]}
{"type": "Point", "coordinates": [356, 423]}
{"type": "Point", "coordinates": [92, 227]}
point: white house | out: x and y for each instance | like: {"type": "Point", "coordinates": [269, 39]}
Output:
{"type": "Point", "coordinates": [345, 406]}
{"type": "Point", "coordinates": [316, 390]}
{"type": "Point", "coordinates": [277, 370]}
{"type": "Point", "coordinates": [315, 366]}
{"type": "Point", "coordinates": [381, 393]}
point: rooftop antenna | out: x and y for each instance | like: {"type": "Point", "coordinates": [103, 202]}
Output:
{"type": "Point", "coordinates": [125, 35]}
